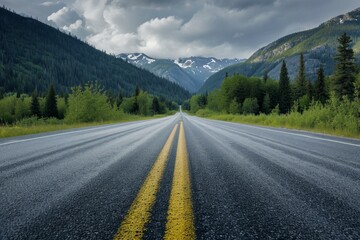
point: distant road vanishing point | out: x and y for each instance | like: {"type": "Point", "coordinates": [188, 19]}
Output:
{"type": "Point", "coordinates": [179, 177]}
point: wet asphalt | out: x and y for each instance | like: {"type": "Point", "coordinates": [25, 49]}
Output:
{"type": "Point", "coordinates": [247, 182]}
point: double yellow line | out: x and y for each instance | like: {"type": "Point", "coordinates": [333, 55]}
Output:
{"type": "Point", "coordinates": [180, 219]}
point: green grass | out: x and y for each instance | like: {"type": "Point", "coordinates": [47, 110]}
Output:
{"type": "Point", "coordinates": [31, 126]}
{"type": "Point", "coordinates": [308, 121]}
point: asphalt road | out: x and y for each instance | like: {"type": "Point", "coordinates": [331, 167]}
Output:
{"type": "Point", "coordinates": [246, 182]}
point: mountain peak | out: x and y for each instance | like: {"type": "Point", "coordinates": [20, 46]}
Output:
{"type": "Point", "coordinates": [189, 72]}
{"type": "Point", "coordinates": [136, 57]}
{"type": "Point", "coordinates": [352, 17]}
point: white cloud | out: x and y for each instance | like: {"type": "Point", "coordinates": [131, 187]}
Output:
{"type": "Point", "coordinates": [49, 4]}
{"type": "Point", "coordinates": [175, 28]}
{"type": "Point", "coordinates": [114, 42]}
{"type": "Point", "coordinates": [63, 17]}
{"type": "Point", "coordinates": [74, 26]}
{"type": "Point", "coordinates": [57, 16]}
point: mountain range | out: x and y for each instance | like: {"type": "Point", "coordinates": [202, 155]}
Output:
{"type": "Point", "coordinates": [189, 73]}
{"type": "Point", "coordinates": [318, 45]}
{"type": "Point", "coordinates": [34, 55]}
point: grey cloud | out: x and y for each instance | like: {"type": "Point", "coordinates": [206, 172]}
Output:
{"type": "Point", "coordinates": [63, 17]}
{"type": "Point", "coordinates": [149, 3]}
{"type": "Point", "coordinates": [174, 28]}
{"type": "Point", "coordinates": [241, 4]}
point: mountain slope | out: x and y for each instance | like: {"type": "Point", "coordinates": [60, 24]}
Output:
{"type": "Point", "coordinates": [34, 55]}
{"type": "Point", "coordinates": [318, 45]}
{"type": "Point", "coordinates": [187, 72]}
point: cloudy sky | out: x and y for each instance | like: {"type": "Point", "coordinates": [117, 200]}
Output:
{"type": "Point", "coordinates": [180, 28]}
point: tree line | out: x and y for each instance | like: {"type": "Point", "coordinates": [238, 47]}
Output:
{"type": "Point", "coordinates": [90, 103]}
{"type": "Point", "coordinates": [244, 95]}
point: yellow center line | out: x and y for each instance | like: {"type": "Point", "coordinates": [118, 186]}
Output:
{"type": "Point", "coordinates": [139, 214]}
{"type": "Point", "coordinates": [180, 219]}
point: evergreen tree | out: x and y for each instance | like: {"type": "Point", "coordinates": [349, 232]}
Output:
{"type": "Point", "coordinates": [155, 105]}
{"type": "Point", "coordinates": [301, 82]}
{"type": "Point", "coordinates": [320, 93]}
{"type": "Point", "coordinates": [309, 89]}
{"type": "Point", "coordinates": [265, 77]}
{"type": "Point", "coordinates": [345, 68]}
{"type": "Point", "coordinates": [50, 109]}
{"type": "Point", "coordinates": [35, 106]}
{"type": "Point", "coordinates": [284, 90]}
{"type": "Point", "coordinates": [137, 91]}
{"type": "Point", "coordinates": [202, 100]}
{"type": "Point", "coordinates": [266, 108]}
{"type": "Point", "coordinates": [136, 104]}
{"type": "Point", "coordinates": [119, 100]}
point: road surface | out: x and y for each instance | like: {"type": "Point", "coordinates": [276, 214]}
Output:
{"type": "Point", "coordinates": [179, 177]}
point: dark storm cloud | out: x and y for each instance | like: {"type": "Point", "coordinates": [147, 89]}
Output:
{"type": "Point", "coordinates": [174, 28]}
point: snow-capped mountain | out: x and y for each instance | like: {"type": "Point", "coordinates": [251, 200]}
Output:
{"type": "Point", "coordinates": [190, 72]}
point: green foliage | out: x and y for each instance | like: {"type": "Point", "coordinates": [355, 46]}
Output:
{"type": "Point", "coordinates": [194, 103]}
{"type": "Point", "coordinates": [143, 101]}
{"type": "Point", "coordinates": [62, 107]}
{"type": "Point", "coordinates": [155, 106]}
{"type": "Point", "coordinates": [137, 91]}
{"type": "Point", "coordinates": [88, 104]}
{"type": "Point", "coordinates": [233, 93]}
{"type": "Point", "coordinates": [345, 68]}
{"type": "Point", "coordinates": [320, 91]}
{"type": "Point", "coordinates": [215, 101]}
{"type": "Point", "coordinates": [50, 109]}
{"type": "Point", "coordinates": [301, 81]}
{"type": "Point", "coordinates": [266, 108]}
{"type": "Point", "coordinates": [234, 107]}
{"type": "Point", "coordinates": [35, 106]}
{"type": "Point", "coordinates": [304, 103]}
{"type": "Point", "coordinates": [129, 105]}
{"type": "Point", "coordinates": [284, 90]}
{"type": "Point", "coordinates": [22, 108]}
{"type": "Point", "coordinates": [339, 117]}
{"type": "Point", "coordinates": [14, 107]}
{"type": "Point", "coordinates": [250, 106]}
{"type": "Point", "coordinates": [186, 105]}
{"type": "Point", "coordinates": [357, 87]}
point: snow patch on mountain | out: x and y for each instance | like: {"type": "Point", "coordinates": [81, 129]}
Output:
{"type": "Point", "coordinates": [187, 64]}
{"type": "Point", "coordinates": [190, 72]}
{"type": "Point", "coordinates": [207, 66]}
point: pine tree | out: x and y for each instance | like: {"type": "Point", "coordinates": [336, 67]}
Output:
{"type": "Point", "coordinates": [345, 68]}
{"type": "Point", "coordinates": [301, 82]}
{"type": "Point", "coordinates": [35, 106]}
{"type": "Point", "coordinates": [265, 77]}
{"type": "Point", "coordinates": [51, 104]}
{"type": "Point", "coordinates": [320, 93]}
{"type": "Point", "coordinates": [119, 100]}
{"type": "Point", "coordinates": [309, 89]}
{"type": "Point", "coordinates": [137, 91]}
{"type": "Point", "coordinates": [156, 105]}
{"type": "Point", "coordinates": [266, 108]}
{"type": "Point", "coordinates": [284, 90]}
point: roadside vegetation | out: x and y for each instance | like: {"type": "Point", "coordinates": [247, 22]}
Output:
{"type": "Point", "coordinates": [90, 105]}
{"type": "Point", "coordinates": [328, 104]}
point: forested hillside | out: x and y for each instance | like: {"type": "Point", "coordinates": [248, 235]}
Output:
{"type": "Point", "coordinates": [34, 55]}
{"type": "Point", "coordinates": [318, 46]}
